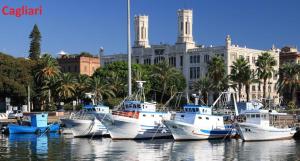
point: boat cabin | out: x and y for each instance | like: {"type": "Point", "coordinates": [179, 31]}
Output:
{"type": "Point", "coordinates": [267, 118]}
{"type": "Point", "coordinates": [39, 120]}
{"type": "Point", "coordinates": [258, 117]}
{"type": "Point", "coordinates": [197, 109]}
{"type": "Point", "coordinates": [96, 109]}
{"type": "Point", "coordinates": [139, 106]}
{"type": "Point", "coordinates": [190, 112]}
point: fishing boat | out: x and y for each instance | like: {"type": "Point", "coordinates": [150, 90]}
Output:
{"type": "Point", "coordinates": [261, 124]}
{"type": "Point", "coordinates": [38, 124]}
{"type": "Point", "coordinates": [197, 122]}
{"type": "Point", "coordinates": [137, 119]}
{"type": "Point", "coordinates": [83, 123]}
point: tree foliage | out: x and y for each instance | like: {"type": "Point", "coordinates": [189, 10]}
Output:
{"type": "Point", "coordinates": [289, 81]}
{"type": "Point", "coordinates": [15, 77]}
{"type": "Point", "coordinates": [35, 44]}
{"type": "Point", "coordinates": [265, 68]}
{"type": "Point", "coordinates": [217, 74]}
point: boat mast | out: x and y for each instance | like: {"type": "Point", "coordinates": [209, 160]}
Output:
{"type": "Point", "coordinates": [129, 48]}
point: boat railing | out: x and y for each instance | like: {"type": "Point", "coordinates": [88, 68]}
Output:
{"type": "Point", "coordinates": [131, 114]}
{"type": "Point", "coordinates": [81, 116]}
{"type": "Point", "coordinates": [282, 121]}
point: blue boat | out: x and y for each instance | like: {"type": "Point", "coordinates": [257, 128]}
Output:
{"type": "Point", "coordinates": [38, 124]}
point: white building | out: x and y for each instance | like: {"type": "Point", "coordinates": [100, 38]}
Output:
{"type": "Point", "coordinates": [190, 58]}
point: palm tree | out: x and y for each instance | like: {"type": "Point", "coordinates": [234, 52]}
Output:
{"type": "Point", "coordinates": [249, 78]}
{"type": "Point", "coordinates": [117, 83]}
{"type": "Point", "coordinates": [289, 80]}
{"type": "Point", "coordinates": [100, 88]}
{"type": "Point", "coordinates": [238, 73]}
{"type": "Point", "coordinates": [65, 87]}
{"type": "Point", "coordinates": [217, 73]}
{"type": "Point", "coordinates": [46, 71]}
{"type": "Point", "coordinates": [81, 86]}
{"type": "Point", "coordinates": [203, 86]}
{"type": "Point", "coordinates": [265, 67]}
{"type": "Point", "coordinates": [163, 74]}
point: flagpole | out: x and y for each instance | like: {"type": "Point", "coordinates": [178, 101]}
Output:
{"type": "Point", "coordinates": [129, 48]}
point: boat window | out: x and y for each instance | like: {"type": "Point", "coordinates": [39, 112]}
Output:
{"type": "Point", "coordinates": [199, 117]}
{"type": "Point", "coordinates": [257, 116]}
{"type": "Point", "coordinates": [144, 115]}
{"type": "Point", "coordinates": [218, 119]}
{"type": "Point", "coordinates": [194, 110]}
{"type": "Point", "coordinates": [139, 106]}
{"type": "Point", "coordinates": [253, 115]}
{"type": "Point", "coordinates": [182, 115]}
{"type": "Point", "coordinates": [248, 115]}
{"type": "Point", "coordinates": [203, 110]}
{"type": "Point", "coordinates": [197, 109]}
{"type": "Point", "coordinates": [207, 118]}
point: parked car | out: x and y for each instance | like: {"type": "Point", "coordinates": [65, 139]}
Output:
{"type": "Point", "coordinates": [15, 114]}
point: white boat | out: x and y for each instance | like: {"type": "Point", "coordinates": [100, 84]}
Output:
{"type": "Point", "coordinates": [261, 124]}
{"type": "Point", "coordinates": [197, 122]}
{"type": "Point", "coordinates": [137, 120]}
{"type": "Point", "coordinates": [83, 123]}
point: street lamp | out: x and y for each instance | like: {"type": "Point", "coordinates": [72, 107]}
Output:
{"type": "Point", "coordinates": [101, 51]}
{"type": "Point", "coordinates": [269, 89]}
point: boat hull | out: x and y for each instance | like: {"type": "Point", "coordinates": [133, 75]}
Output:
{"type": "Point", "coordinates": [183, 131]}
{"type": "Point", "coordinates": [250, 132]}
{"type": "Point", "coordinates": [19, 129]}
{"type": "Point", "coordinates": [130, 128]}
{"type": "Point", "coordinates": [85, 128]}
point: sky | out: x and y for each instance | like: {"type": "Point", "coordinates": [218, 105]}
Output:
{"type": "Point", "coordinates": [86, 25]}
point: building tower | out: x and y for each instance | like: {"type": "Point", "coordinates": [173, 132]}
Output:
{"type": "Point", "coordinates": [228, 41]}
{"type": "Point", "coordinates": [185, 26]}
{"type": "Point", "coordinates": [141, 31]}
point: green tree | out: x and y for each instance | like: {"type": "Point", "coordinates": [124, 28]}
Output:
{"type": "Point", "coordinates": [35, 46]}
{"type": "Point", "coordinates": [81, 86]}
{"type": "Point", "coordinates": [47, 72]}
{"type": "Point", "coordinates": [265, 68]}
{"type": "Point", "coordinates": [203, 86]}
{"type": "Point", "coordinates": [288, 81]}
{"type": "Point", "coordinates": [238, 73]}
{"type": "Point", "coordinates": [242, 75]}
{"type": "Point", "coordinates": [167, 78]}
{"type": "Point", "coordinates": [100, 89]}
{"type": "Point", "coordinates": [217, 74]}
{"type": "Point", "coordinates": [116, 75]}
{"type": "Point", "coordinates": [249, 78]}
{"type": "Point", "coordinates": [15, 77]}
{"type": "Point", "coordinates": [65, 87]}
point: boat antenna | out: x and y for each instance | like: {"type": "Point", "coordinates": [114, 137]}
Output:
{"type": "Point", "coordinates": [129, 49]}
{"type": "Point", "coordinates": [140, 94]}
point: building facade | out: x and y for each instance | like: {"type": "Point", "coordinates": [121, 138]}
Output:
{"type": "Point", "coordinates": [190, 58]}
{"type": "Point", "coordinates": [78, 64]}
{"type": "Point", "coordinates": [289, 55]}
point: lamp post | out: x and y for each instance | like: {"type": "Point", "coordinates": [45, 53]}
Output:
{"type": "Point", "coordinates": [101, 51]}
{"type": "Point", "coordinates": [269, 89]}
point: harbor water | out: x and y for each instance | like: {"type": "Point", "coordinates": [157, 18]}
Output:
{"type": "Point", "coordinates": [65, 147]}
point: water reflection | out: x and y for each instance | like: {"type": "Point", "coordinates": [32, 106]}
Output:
{"type": "Point", "coordinates": [106, 149]}
{"type": "Point", "coordinates": [56, 147]}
